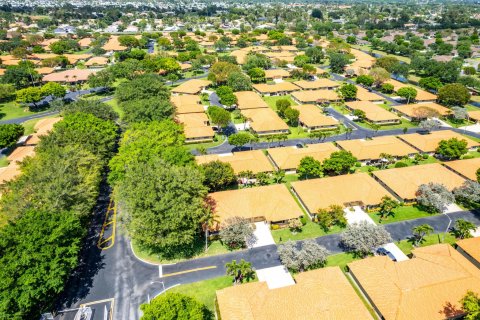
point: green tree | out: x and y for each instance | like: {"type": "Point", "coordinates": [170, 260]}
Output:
{"type": "Point", "coordinates": [348, 91]}
{"type": "Point", "coordinates": [240, 271]}
{"type": "Point", "coordinates": [29, 95]}
{"type": "Point", "coordinates": [177, 306]}
{"type": "Point", "coordinates": [282, 104]}
{"type": "Point", "coordinates": [167, 218]}
{"type": "Point", "coordinates": [219, 116]}
{"type": "Point", "coordinates": [387, 88]}
{"type": "Point", "coordinates": [339, 162]}
{"type": "Point", "coordinates": [419, 232]}
{"type": "Point", "coordinates": [39, 252]}
{"type": "Point", "coordinates": [21, 75]}
{"type": "Point", "coordinates": [7, 92]}
{"type": "Point", "coordinates": [408, 93]}
{"type": "Point", "coordinates": [98, 109]}
{"type": "Point", "coordinates": [430, 83]}
{"type": "Point", "coordinates": [309, 168]}
{"type": "Point", "coordinates": [9, 134]}
{"type": "Point", "coordinates": [221, 70]}
{"type": "Point", "coordinates": [292, 115]}
{"type": "Point", "coordinates": [386, 206]}
{"type": "Point", "coordinates": [454, 94]}
{"type": "Point", "coordinates": [102, 78]}
{"type": "Point", "coordinates": [452, 148]}
{"type": "Point", "coordinates": [142, 87]}
{"type": "Point", "coordinates": [463, 229]}
{"type": "Point", "coordinates": [239, 81]}
{"type": "Point", "coordinates": [365, 79]}
{"type": "Point", "coordinates": [53, 89]}
{"type": "Point", "coordinates": [257, 75]}
{"type": "Point", "coordinates": [226, 96]}
{"type": "Point", "coordinates": [240, 139]}
{"type": "Point", "coordinates": [338, 61]}
{"type": "Point", "coordinates": [379, 75]}
{"type": "Point", "coordinates": [471, 305]}
{"type": "Point", "coordinates": [217, 174]}
{"type": "Point", "coordinates": [145, 110]}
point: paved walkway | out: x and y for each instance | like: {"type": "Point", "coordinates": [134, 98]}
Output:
{"type": "Point", "coordinates": [275, 277]}
{"type": "Point", "coordinates": [262, 236]}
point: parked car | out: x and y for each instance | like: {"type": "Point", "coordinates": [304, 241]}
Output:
{"type": "Point", "coordinates": [384, 252]}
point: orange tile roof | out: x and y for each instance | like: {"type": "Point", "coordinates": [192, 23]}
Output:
{"type": "Point", "coordinates": [71, 75]}
{"type": "Point", "coordinates": [417, 110]}
{"type": "Point", "coordinates": [284, 86]}
{"type": "Point", "coordinates": [254, 160]}
{"type": "Point", "coordinates": [373, 112]}
{"type": "Point", "coordinates": [371, 149]}
{"type": "Point", "coordinates": [466, 168]}
{"type": "Point", "coordinates": [42, 127]}
{"type": "Point", "coordinates": [276, 73]}
{"type": "Point", "coordinates": [311, 96]}
{"type": "Point", "coordinates": [9, 173]}
{"type": "Point", "coordinates": [471, 247]}
{"type": "Point", "coordinates": [429, 142]}
{"type": "Point", "coordinates": [273, 202]}
{"type": "Point", "coordinates": [365, 95]}
{"type": "Point", "coordinates": [99, 61]}
{"type": "Point", "coordinates": [422, 95]}
{"type": "Point", "coordinates": [44, 70]}
{"type": "Point", "coordinates": [249, 100]}
{"type": "Point", "coordinates": [193, 86]}
{"type": "Point", "coordinates": [318, 294]}
{"type": "Point", "coordinates": [113, 45]}
{"type": "Point", "coordinates": [474, 115]}
{"type": "Point", "coordinates": [187, 104]}
{"type": "Point", "coordinates": [320, 83]}
{"type": "Point", "coordinates": [195, 125]}
{"type": "Point", "coordinates": [21, 153]}
{"type": "Point", "coordinates": [406, 181]}
{"type": "Point", "coordinates": [311, 116]}
{"type": "Point", "coordinates": [265, 120]}
{"type": "Point", "coordinates": [288, 158]}
{"type": "Point", "coordinates": [429, 286]}
{"type": "Point", "coordinates": [339, 190]}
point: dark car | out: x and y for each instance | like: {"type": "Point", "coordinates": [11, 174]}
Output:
{"type": "Point", "coordinates": [384, 252]}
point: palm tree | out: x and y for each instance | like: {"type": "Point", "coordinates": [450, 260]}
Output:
{"type": "Point", "coordinates": [463, 227]}
{"type": "Point", "coordinates": [375, 127]}
{"type": "Point", "coordinates": [387, 157]}
{"type": "Point", "coordinates": [210, 220]}
{"type": "Point", "coordinates": [419, 232]}
{"type": "Point", "coordinates": [239, 271]}
{"type": "Point", "coordinates": [348, 132]}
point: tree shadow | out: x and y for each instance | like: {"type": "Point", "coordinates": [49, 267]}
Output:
{"type": "Point", "coordinates": [450, 311]}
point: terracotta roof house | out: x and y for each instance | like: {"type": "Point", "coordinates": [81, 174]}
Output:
{"type": "Point", "coordinates": [345, 190]}
{"type": "Point", "coordinates": [288, 158]}
{"type": "Point", "coordinates": [276, 74]}
{"type": "Point", "coordinates": [320, 83]}
{"type": "Point", "coordinates": [85, 42]}
{"type": "Point", "coordinates": [113, 44]}
{"type": "Point", "coordinates": [421, 111]}
{"type": "Point", "coordinates": [21, 153]}
{"type": "Point", "coordinates": [265, 121]}
{"type": "Point", "coordinates": [188, 103]}
{"type": "Point", "coordinates": [474, 115]}
{"type": "Point", "coordinates": [249, 100]}
{"type": "Point", "coordinates": [365, 95]}
{"type": "Point", "coordinates": [470, 248]}
{"type": "Point", "coordinates": [317, 294]}
{"type": "Point", "coordinates": [44, 70]}
{"type": "Point", "coordinates": [315, 96]}
{"type": "Point", "coordinates": [428, 286]}
{"type": "Point", "coordinates": [74, 58]}
{"type": "Point", "coordinates": [466, 168]}
{"type": "Point", "coordinates": [429, 142]}
{"type": "Point", "coordinates": [312, 118]}
{"type": "Point", "coordinates": [404, 182]}
{"type": "Point", "coordinates": [196, 127]}
{"type": "Point", "coordinates": [374, 113]}
{"type": "Point", "coordinates": [193, 86]}
{"type": "Point", "coordinates": [276, 89]}
{"type": "Point", "coordinates": [422, 95]}
{"type": "Point", "coordinates": [9, 172]}
{"type": "Point", "coordinates": [71, 75]}
{"type": "Point", "coordinates": [97, 62]}
{"type": "Point", "coordinates": [253, 160]}
{"type": "Point", "coordinates": [272, 203]}
{"type": "Point", "coordinates": [42, 127]}
{"type": "Point", "coordinates": [371, 149]}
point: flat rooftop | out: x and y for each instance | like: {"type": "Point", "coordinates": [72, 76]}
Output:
{"type": "Point", "coordinates": [287, 158]}
{"type": "Point", "coordinates": [406, 181]}
{"type": "Point", "coordinates": [312, 116]}
{"type": "Point", "coordinates": [373, 112]}
{"type": "Point", "coordinates": [249, 100]}
{"type": "Point", "coordinates": [253, 160]}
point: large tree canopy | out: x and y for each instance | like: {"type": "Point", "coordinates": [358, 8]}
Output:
{"type": "Point", "coordinates": [177, 306]}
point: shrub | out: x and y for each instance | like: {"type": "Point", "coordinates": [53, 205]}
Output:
{"type": "Point", "coordinates": [400, 164]}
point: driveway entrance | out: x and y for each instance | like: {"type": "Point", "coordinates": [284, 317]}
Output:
{"type": "Point", "coordinates": [262, 234]}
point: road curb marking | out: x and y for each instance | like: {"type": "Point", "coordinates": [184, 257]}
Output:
{"type": "Point", "coordinates": [188, 271]}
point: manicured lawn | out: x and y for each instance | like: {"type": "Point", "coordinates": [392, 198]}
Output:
{"type": "Point", "coordinates": [11, 110]}
{"type": "Point", "coordinates": [272, 100]}
{"type": "Point", "coordinates": [472, 138]}
{"type": "Point", "coordinates": [458, 123]}
{"type": "Point", "coordinates": [115, 107]}
{"type": "Point", "coordinates": [407, 245]}
{"type": "Point", "coordinates": [402, 213]}
{"type": "Point", "coordinates": [204, 291]}
{"type": "Point", "coordinates": [220, 140]}
{"type": "Point", "coordinates": [475, 154]}
{"type": "Point", "coordinates": [404, 123]}
{"type": "Point", "coordinates": [309, 231]}
{"type": "Point", "coordinates": [214, 248]}
{"type": "Point", "coordinates": [411, 162]}
{"type": "Point", "coordinates": [341, 260]}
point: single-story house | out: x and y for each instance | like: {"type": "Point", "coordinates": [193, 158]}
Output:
{"type": "Point", "coordinates": [474, 115]}
{"type": "Point", "coordinates": [113, 45]}
{"type": "Point", "coordinates": [42, 127]}
{"type": "Point", "coordinates": [276, 89]}
{"type": "Point", "coordinates": [317, 294]}
{"type": "Point", "coordinates": [276, 74]}
{"type": "Point", "coordinates": [288, 158]}
{"type": "Point", "coordinates": [196, 127]}
{"type": "Point", "coordinates": [315, 96]}
{"type": "Point", "coordinates": [428, 286]}
{"type": "Point", "coordinates": [404, 182]}
{"type": "Point", "coordinates": [466, 168]}
{"type": "Point", "coordinates": [96, 62]}
{"type": "Point", "coordinates": [71, 76]}
{"type": "Point", "coordinates": [345, 190]}
{"type": "Point", "coordinates": [470, 249]}
{"type": "Point", "coordinates": [253, 160]}
{"type": "Point", "coordinates": [421, 111]}
{"type": "Point", "coordinates": [367, 150]}
{"type": "Point", "coordinates": [272, 203]}
{"type": "Point", "coordinates": [365, 95]}
{"type": "Point", "coordinates": [249, 100]}
{"type": "Point", "coordinates": [321, 83]}
{"type": "Point", "coordinates": [312, 118]}
{"type": "Point", "coordinates": [265, 121]}
{"type": "Point", "coordinates": [193, 86]}
{"type": "Point", "coordinates": [373, 112]}
{"type": "Point", "coordinates": [187, 103]}
{"type": "Point", "coordinates": [428, 143]}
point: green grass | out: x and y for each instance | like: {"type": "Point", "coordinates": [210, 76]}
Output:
{"type": "Point", "coordinates": [402, 213]}
{"type": "Point", "coordinates": [215, 247]}
{"type": "Point", "coordinates": [404, 123]}
{"type": "Point", "coordinates": [114, 104]}
{"type": "Point", "coordinates": [11, 110]}
{"type": "Point", "coordinates": [3, 161]}
{"type": "Point", "coordinates": [475, 154]}
{"type": "Point", "coordinates": [407, 245]}
{"type": "Point", "coordinates": [309, 231]}
{"type": "Point", "coordinates": [271, 101]}
{"type": "Point", "coordinates": [341, 260]}
{"type": "Point", "coordinates": [204, 291]}
{"type": "Point", "coordinates": [220, 140]}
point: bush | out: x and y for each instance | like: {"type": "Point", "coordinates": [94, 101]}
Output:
{"type": "Point", "coordinates": [274, 227]}
{"type": "Point", "coordinates": [400, 164]}
{"type": "Point", "coordinates": [358, 164]}
{"type": "Point", "coordinates": [303, 220]}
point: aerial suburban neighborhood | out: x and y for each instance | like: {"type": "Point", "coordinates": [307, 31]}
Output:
{"type": "Point", "coordinates": [250, 160]}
